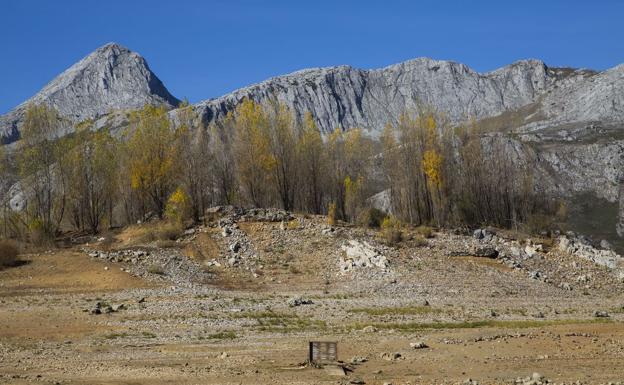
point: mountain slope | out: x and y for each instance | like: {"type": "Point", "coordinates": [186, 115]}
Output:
{"type": "Point", "coordinates": [110, 78]}
{"type": "Point", "coordinates": [347, 97]}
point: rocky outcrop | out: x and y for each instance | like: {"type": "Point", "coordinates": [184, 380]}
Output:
{"type": "Point", "coordinates": [111, 78]}
{"type": "Point", "coordinates": [348, 97]}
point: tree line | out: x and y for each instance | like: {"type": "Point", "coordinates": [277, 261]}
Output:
{"type": "Point", "coordinates": [174, 167]}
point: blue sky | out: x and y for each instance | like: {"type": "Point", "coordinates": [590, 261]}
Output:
{"type": "Point", "coordinates": [203, 49]}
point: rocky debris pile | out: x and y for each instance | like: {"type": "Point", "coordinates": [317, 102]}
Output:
{"type": "Point", "coordinates": [238, 214]}
{"type": "Point", "coordinates": [361, 254]}
{"type": "Point", "coordinates": [531, 257]}
{"type": "Point", "coordinates": [156, 264]}
{"type": "Point", "coordinates": [266, 215]}
{"type": "Point", "coordinates": [240, 250]}
{"type": "Point", "coordinates": [484, 235]}
{"type": "Point", "coordinates": [581, 247]}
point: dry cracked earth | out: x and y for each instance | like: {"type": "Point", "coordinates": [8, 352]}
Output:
{"type": "Point", "coordinates": [237, 300]}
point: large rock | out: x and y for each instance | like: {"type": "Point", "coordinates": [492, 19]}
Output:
{"type": "Point", "coordinates": [361, 254]}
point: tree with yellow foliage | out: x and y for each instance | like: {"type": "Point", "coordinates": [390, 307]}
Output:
{"type": "Point", "coordinates": [93, 170]}
{"type": "Point", "coordinates": [39, 157]}
{"type": "Point", "coordinates": [251, 146]}
{"type": "Point", "coordinates": [223, 160]}
{"type": "Point", "coordinates": [312, 159]}
{"type": "Point", "coordinates": [151, 157]}
{"type": "Point", "coordinates": [194, 159]}
{"type": "Point", "coordinates": [178, 206]}
{"type": "Point", "coordinates": [349, 155]}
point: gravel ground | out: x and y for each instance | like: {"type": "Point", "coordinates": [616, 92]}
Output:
{"type": "Point", "coordinates": [237, 300]}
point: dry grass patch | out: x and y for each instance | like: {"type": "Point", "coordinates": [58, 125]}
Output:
{"type": "Point", "coordinates": [519, 324]}
{"type": "Point", "coordinates": [281, 322]}
{"type": "Point", "coordinates": [406, 310]}
{"type": "Point", "coordinates": [8, 253]}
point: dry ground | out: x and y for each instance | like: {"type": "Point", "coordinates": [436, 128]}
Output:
{"type": "Point", "coordinates": [484, 320]}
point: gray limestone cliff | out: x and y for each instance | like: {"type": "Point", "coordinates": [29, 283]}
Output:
{"type": "Point", "coordinates": [347, 97]}
{"type": "Point", "coordinates": [111, 78]}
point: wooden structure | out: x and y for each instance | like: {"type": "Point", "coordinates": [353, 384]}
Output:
{"type": "Point", "coordinates": [323, 352]}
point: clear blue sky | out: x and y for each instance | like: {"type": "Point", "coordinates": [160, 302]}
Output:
{"type": "Point", "coordinates": [203, 49]}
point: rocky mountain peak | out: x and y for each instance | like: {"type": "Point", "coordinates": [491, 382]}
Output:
{"type": "Point", "coordinates": [110, 78]}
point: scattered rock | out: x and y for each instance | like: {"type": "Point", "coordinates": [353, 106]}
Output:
{"type": "Point", "coordinates": [605, 245]}
{"type": "Point", "coordinates": [531, 250]}
{"type": "Point", "coordinates": [486, 252]}
{"type": "Point", "coordinates": [418, 345]}
{"type": "Point", "coordinates": [234, 247]}
{"type": "Point", "coordinates": [298, 301]}
{"type": "Point", "coordinates": [601, 314]}
{"type": "Point", "coordinates": [391, 356]}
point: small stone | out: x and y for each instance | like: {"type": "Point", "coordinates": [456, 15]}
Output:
{"type": "Point", "coordinates": [418, 345]}
{"type": "Point", "coordinates": [223, 355]}
{"type": "Point", "coordinates": [601, 314]}
{"type": "Point", "coordinates": [234, 247]}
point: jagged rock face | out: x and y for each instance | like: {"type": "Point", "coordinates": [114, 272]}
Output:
{"type": "Point", "coordinates": [111, 78]}
{"type": "Point", "coordinates": [347, 97]}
